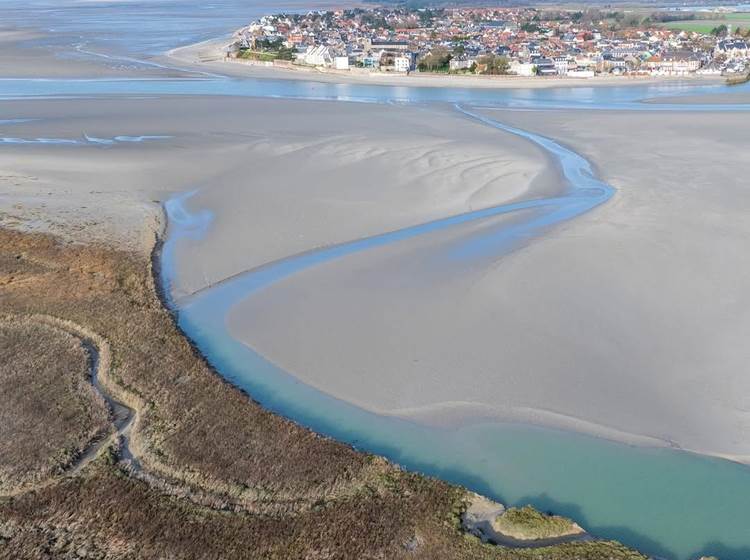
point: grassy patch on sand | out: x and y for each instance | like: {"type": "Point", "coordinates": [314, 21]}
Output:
{"type": "Point", "coordinates": [526, 523]}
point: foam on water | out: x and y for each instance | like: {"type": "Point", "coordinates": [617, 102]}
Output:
{"type": "Point", "coordinates": [85, 140]}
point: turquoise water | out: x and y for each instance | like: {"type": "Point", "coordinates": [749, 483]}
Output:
{"type": "Point", "coordinates": [665, 502]}
{"type": "Point", "coordinates": [619, 98]}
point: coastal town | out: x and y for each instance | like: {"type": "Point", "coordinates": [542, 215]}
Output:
{"type": "Point", "coordinates": [520, 41]}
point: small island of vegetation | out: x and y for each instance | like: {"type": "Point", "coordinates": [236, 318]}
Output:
{"type": "Point", "coordinates": [526, 523]}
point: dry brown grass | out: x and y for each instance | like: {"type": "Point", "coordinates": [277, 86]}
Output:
{"type": "Point", "coordinates": [49, 411]}
{"type": "Point", "coordinates": [287, 493]}
{"type": "Point", "coordinates": [193, 426]}
{"type": "Point", "coordinates": [111, 516]}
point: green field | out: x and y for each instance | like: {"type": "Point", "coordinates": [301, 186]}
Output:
{"type": "Point", "coordinates": [744, 16]}
{"type": "Point", "coordinates": [738, 19]}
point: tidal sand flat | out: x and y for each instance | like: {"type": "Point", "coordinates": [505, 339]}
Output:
{"type": "Point", "coordinates": [277, 176]}
{"type": "Point", "coordinates": [280, 176]}
{"type": "Point", "coordinates": [309, 174]}
{"type": "Point", "coordinates": [32, 53]}
{"type": "Point", "coordinates": [664, 503]}
{"type": "Point", "coordinates": [726, 97]}
{"type": "Point", "coordinates": [637, 304]}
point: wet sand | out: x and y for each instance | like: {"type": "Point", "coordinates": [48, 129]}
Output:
{"type": "Point", "coordinates": [733, 97]}
{"type": "Point", "coordinates": [626, 322]}
{"type": "Point", "coordinates": [279, 176]}
{"type": "Point", "coordinates": [316, 174]}
{"type": "Point", "coordinates": [28, 53]}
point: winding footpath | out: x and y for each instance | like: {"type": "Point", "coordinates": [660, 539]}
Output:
{"type": "Point", "coordinates": [99, 367]}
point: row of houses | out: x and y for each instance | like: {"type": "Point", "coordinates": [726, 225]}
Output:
{"type": "Point", "coordinates": [377, 56]}
{"type": "Point", "coordinates": [533, 42]}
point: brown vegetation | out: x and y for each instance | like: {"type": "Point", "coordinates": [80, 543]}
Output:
{"type": "Point", "coordinates": [275, 489]}
{"type": "Point", "coordinates": [49, 411]}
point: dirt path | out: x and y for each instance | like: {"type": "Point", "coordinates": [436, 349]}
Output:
{"type": "Point", "coordinates": [121, 415]}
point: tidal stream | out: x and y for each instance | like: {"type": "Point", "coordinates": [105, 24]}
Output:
{"type": "Point", "coordinates": [666, 502]}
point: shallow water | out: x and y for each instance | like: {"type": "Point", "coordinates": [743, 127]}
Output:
{"type": "Point", "coordinates": [86, 140]}
{"type": "Point", "coordinates": [665, 502]}
{"type": "Point", "coordinates": [661, 501]}
{"type": "Point", "coordinates": [601, 98]}
{"type": "Point", "coordinates": [140, 27]}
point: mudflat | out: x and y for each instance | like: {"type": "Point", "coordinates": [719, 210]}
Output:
{"type": "Point", "coordinates": [637, 305]}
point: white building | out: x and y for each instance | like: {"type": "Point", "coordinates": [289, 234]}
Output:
{"type": "Point", "coordinates": [459, 63]}
{"type": "Point", "coordinates": [402, 63]}
{"type": "Point", "coordinates": [580, 73]}
{"type": "Point", "coordinates": [522, 68]}
{"type": "Point", "coordinates": [561, 65]}
{"type": "Point", "coordinates": [732, 48]}
{"type": "Point", "coordinates": [317, 56]}
{"type": "Point", "coordinates": [341, 63]}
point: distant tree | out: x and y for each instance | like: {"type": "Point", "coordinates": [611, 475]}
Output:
{"type": "Point", "coordinates": [437, 59]}
{"type": "Point", "coordinates": [664, 17]}
{"type": "Point", "coordinates": [720, 30]}
{"type": "Point", "coordinates": [427, 15]}
{"type": "Point", "coordinates": [591, 16]}
{"type": "Point", "coordinates": [494, 65]}
{"type": "Point", "coordinates": [632, 20]}
{"type": "Point", "coordinates": [273, 49]}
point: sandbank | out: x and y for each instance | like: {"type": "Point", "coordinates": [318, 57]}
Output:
{"type": "Point", "coordinates": [736, 96]}
{"type": "Point", "coordinates": [33, 54]}
{"type": "Point", "coordinates": [627, 322]}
